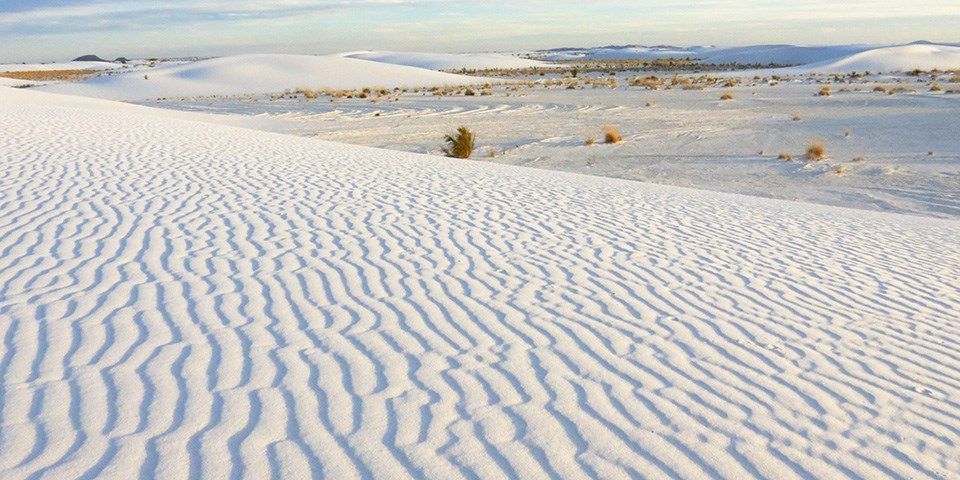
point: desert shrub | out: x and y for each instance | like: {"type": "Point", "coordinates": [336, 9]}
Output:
{"type": "Point", "coordinates": [955, 79]}
{"type": "Point", "coordinates": [308, 92]}
{"type": "Point", "coordinates": [590, 141]}
{"type": "Point", "coordinates": [469, 92]}
{"type": "Point", "coordinates": [459, 144]}
{"type": "Point", "coordinates": [936, 87]}
{"type": "Point", "coordinates": [785, 157]}
{"type": "Point", "coordinates": [880, 89]}
{"type": "Point", "coordinates": [816, 152]}
{"type": "Point", "coordinates": [611, 135]}
{"type": "Point", "coordinates": [825, 91]}
{"type": "Point", "coordinates": [726, 96]}
{"type": "Point", "coordinates": [840, 170]}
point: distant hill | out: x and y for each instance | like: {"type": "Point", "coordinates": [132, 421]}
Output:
{"type": "Point", "coordinates": [89, 58]}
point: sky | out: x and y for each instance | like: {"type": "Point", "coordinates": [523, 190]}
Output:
{"type": "Point", "coordinates": [47, 30]}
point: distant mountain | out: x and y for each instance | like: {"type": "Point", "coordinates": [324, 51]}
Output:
{"type": "Point", "coordinates": [89, 58]}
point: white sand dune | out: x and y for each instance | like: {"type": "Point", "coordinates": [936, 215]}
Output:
{"type": "Point", "coordinates": [828, 59]}
{"type": "Point", "coordinates": [181, 299]}
{"type": "Point", "coordinates": [782, 54]}
{"type": "Point", "coordinates": [13, 82]}
{"type": "Point", "coordinates": [620, 53]}
{"type": "Point", "coordinates": [34, 67]}
{"type": "Point", "coordinates": [249, 74]}
{"type": "Point", "coordinates": [449, 61]}
{"type": "Point", "coordinates": [893, 59]}
{"type": "Point", "coordinates": [751, 54]}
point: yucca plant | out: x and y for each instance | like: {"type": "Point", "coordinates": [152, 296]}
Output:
{"type": "Point", "coordinates": [459, 144]}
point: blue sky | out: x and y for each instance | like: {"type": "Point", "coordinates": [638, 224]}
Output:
{"type": "Point", "coordinates": [41, 30]}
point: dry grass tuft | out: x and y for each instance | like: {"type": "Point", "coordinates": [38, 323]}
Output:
{"type": "Point", "coordinates": [590, 141]}
{"type": "Point", "coordinates": [459, 144]}
{"type": "Point", "coordinates": [611, 135]}
{"type": "Point", "coordinates": [825, 91]}
{"type": "Point", "coordinates": [785, 157]}
{"type": "Point", "coordinates": [726, 96]}
{"type": "Point", "coordinates": [880, 89]}
{"type": "Point", "coordinates": [936, 87]}
{"type": "Point", "coordinates": [816, 152]}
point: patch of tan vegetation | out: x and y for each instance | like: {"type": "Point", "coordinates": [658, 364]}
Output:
{"type": "Point", "coordinates": [816, 152]}
{"type": "Point", "coordinates": [51, 75]}
{"type": "Point", "coordinates": [611, 135]}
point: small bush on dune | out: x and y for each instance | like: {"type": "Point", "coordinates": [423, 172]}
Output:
{"type": "Point", "coordinates": [611, 135]}
{"type": "Point", "coordinates": [825, 92]}
{"type": "Point", "coordinates": [726, 96]}
{"type": "Point", "coordinates": [880, 89]}
{"type": "Point", "coordinates": [936, 87]}
{"type": "Point", "coordinates": [785, 157]}
{"type": "Point", "coordinates": [816, 152]}
{"type": "Point", "coordinates": [591, 141]}
{"type": "Point", "coordinates": [459, 144]}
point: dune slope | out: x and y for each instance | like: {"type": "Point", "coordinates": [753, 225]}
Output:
{"type": "Point", "coordinates": [449, 61]}
{"type": "Point", "coordinates": [901, 58]}
{"type": "Point", "coordinates": [251, 74]}
{"type": "Point", "coordinates": [181, 299]}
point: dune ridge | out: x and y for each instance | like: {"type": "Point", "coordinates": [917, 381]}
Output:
{"type": "Point", "coordinates": [257, 74]}
{"type": "Point", "coordinates": [188, 300]}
